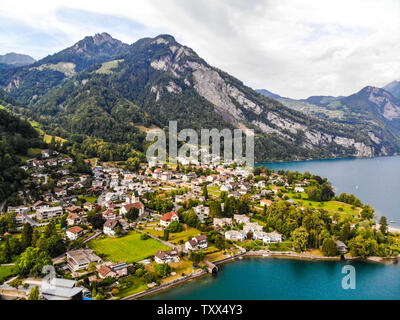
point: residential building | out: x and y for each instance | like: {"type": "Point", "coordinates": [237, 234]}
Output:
{"type": "Point", "coordinates": [197, 243]}
{"type": "Point", "coordinates": [74, 233]}
{"type": "Point", "coordinates": [49, 212]}
{"type": "Point", "coordinates": [235, 235]}
{"type": "Point", "coordinates": [80, 259]}
{"type": "Point", "coordinates": [166, 256]}
{"type": "Point", "coordinates": [167, 218]}
{"type": "Point", "coordinates": [110, 227]}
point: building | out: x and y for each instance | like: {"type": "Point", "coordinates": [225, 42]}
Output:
{"type": "Point", "coordinates": [197, 243]}
{"type": "Point", "coordinates": [110, 227]}
{"type": "Point", "coordinates": [167, 218]}
{"type": "Point", "coordinates": [73, 219]}
{"type": "Point", "coordinates": [74, 233]}
{"type": "Point", "coordinates": [80, 259]}
{"type": "Point", "coordinates": [17, 210]}
{"type": "Point", "coordinates": [241, 218]}
{"type": "Point", "coordinates": [265, 203]}
{"type": "Point", "coordinates": [138, 205]}
{"type": "Point", "coordinates": [341, 246]}
{"type": "Point", "coordinates": [49, 212]}
{"type": "Point", "coordinates": [221, 222]}
{"type": "Point", "coordinates": [61, 289]}
{"type": "Point", "coordinates": [166, 256]}
{"type": "Point", "coordinates": [235, 235]}
{"type": "Point", "coordinates": [252, 227]}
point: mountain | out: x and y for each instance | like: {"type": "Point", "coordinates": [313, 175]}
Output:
{"type": "Point", "coordinates": [29, 82]}
{"type": "Point", "coordinates": [373, 109]}
{"type": "Point", "coordinates": [16, 137]}
{"type": "Point", "coordinates": [393, 88]}
{"type": "Point", "coordinates": [16, 60]}
{"type": "Point", "coordinates": [268, 94]}
{"type": "Point", "coordinates": [113, 92]}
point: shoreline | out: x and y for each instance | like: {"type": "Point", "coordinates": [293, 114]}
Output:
{"type": "Point", "coordinates": [258, 254]}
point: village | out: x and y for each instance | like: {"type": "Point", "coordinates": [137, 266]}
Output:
{"type": "Point", "coordinates": [122, 234]}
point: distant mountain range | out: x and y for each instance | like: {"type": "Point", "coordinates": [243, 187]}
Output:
{"type": "Point", "coordinates": [375, 108]}
{"type": "Point", "coordinates": [104, 89]}
{"type": "Point", "coordinates": [12, 59]}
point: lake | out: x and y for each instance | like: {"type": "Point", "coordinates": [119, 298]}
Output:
{"type": "Point", "coordinates": [376, 182]}
{"type": "Point", "coordinates": [284, 279]}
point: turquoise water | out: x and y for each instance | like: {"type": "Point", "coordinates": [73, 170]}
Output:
{"type": "Point", "coordinates": [375, 181]}
{"type": "Point", "coordinates": [281, 279]}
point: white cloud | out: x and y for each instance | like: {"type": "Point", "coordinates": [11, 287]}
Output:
{"type": "Point", "coordinates": [295, 48]}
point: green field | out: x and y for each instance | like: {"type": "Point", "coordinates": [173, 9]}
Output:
{"type": "Point", "coordinates": [213, 191]}
{"type": "Point", "coordinates": [6, 271]}
{"type": "Point", "coordinates": [331, 206]}
{"type": "Point", "coordinates": [107, 67]}
{"type": "Point", "coordinates": [128, 248]}
{"type": "Point", "coordinates": [184, 235]}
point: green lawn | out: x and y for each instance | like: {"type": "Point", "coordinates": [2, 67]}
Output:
{"type": "Point", "coordinates": [331, 206]}
{"type": "Point", "coordinates": [5, 272]}
{"type": "Point", "coordinates": [184, 235]}
{"type": "Point", "coordinates": [128, 248]}
{"type": "Point", "coordinates": [213, 191]}
{"type": "Point", "coordinates": [131, 285]}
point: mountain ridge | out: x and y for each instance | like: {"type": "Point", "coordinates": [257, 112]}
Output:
{"type": "Point", "coordinates": [155, 80]}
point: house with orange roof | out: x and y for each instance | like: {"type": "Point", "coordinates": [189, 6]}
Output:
{"type": "Point", "coordinates": [167, 218]}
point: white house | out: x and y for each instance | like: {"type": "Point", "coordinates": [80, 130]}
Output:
{"type": "Point", "coordinates": [166, 256]}
{"type": "Point", "coordinates": [110, 227]}
{"type": "Point", "coordinates": [138, 205]}
{"type": "Point", "coordinates": [74, 232]}
{"type": "Point", "coordinates": [167, 218]}
{"type": "Point", "coordinates": [197, 243]}
{"type": "Point", "coordinates": [235, 235]}
{"type": "Point", "coordinates": [241, 218]}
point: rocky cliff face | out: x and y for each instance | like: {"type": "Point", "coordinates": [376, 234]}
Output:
{"type": "Point", "coordinates": [169, 81]}
{"type": "Point", "coordinates": [242, 106]}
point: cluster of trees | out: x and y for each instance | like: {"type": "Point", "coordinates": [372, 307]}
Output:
{"type": "Point", "coordinates": [323, 192]}
{"type": "Point", "coordinates": [16, 137]}
{"type": "Point", "coordinates": [231, 206]}
{"type": "Point", "coordinates": [315, 228]}
{"type": "Point", "coordinates": [33, 249]}
{"type": "Point", "coordinates": [349, 199]}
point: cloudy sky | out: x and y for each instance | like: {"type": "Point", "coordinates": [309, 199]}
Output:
{"type": "Point", "coordinates": [295, 48]}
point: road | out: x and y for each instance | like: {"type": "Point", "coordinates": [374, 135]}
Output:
{"type": "Point", "coordinates": [92, 237]}
{"type": "Point", "coordinates": [33, 222]}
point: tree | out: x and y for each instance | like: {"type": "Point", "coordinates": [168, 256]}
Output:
{"type": "Point", "coordinates": [34, 294]}
{"type": "Point", "coordinates": [132, 214]}
{"type": "Point", "coordinates": [300, 239]}
{"type": "Point", "coordinates": [174, 227]}
{"type": "Point", "coordinates": [97, 221]}
{"type": "Point", "coordinates": [166, 235]}
{"type": "Point", "coordinates": [26, 236]}
{"type": "Point", "coordinates": [329, 247]}
{"type": "Point", "coordinates": [91, 267]}
{"type": "Point", "coordinates": [205, 192]}
{"type": "Point", "coordinates": [367, 212]}
{"type": "Point", "coordinates": [383, 225]}
{"type": "Point", "coordinates": [32, 261]}
{"type": "Point", "coordinates": [196, 257]}
{"type": "Point", "coordinates": [220, 242]}
{"type": "Point", "coordinates": [162, 269]}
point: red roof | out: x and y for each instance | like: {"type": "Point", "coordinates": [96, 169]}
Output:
{"type": "Point", "coordinates": [75, 230]}
{"type": "Point", "coordinates": [168, 216]}
{"type": "Point", "coordinates": [137, 205]}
